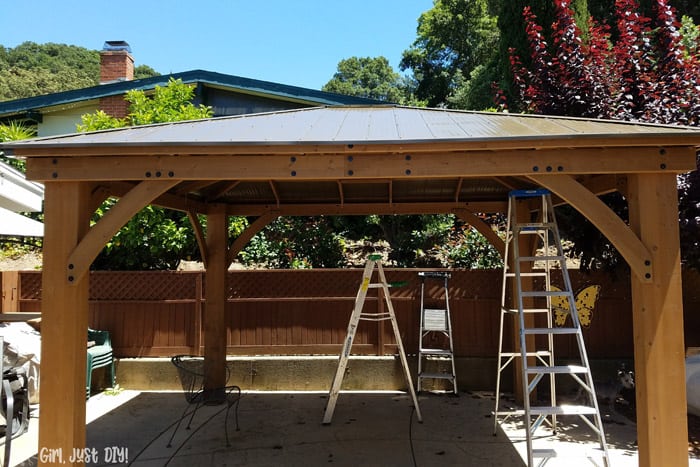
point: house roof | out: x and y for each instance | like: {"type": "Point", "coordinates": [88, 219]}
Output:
{"type": "Point", "coordinates": [206, 78]}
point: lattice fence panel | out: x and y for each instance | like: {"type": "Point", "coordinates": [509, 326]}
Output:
{"type": "Point", "coordinates": [143, 285]}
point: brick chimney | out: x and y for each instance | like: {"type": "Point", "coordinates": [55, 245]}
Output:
{"type": "Point", "coordinates": [116, 64]}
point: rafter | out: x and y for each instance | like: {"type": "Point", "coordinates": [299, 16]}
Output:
{"type": "Point", "coordinates": [245, 236]}
{"type": "Point", "coordinates": [609, 223]}
{"type": "Point", "coordinates": [92, 243]}
{"type": "Point", "coordinates": [199, 235]}
{"type": "Point", "coordinates": [483, 228]}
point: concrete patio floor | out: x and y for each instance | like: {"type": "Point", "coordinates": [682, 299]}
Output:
{"type": "Point", "coordinates": [369, 429]}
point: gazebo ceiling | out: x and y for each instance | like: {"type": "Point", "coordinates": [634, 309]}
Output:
{"type": "Point", "coordinates": [357, 160]}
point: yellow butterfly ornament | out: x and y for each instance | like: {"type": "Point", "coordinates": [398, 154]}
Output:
{"type": "Point", "coordinates": [585, 301]}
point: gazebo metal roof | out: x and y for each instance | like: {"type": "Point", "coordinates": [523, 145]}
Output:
{"type": "Point", "coordinates": [331, 125]}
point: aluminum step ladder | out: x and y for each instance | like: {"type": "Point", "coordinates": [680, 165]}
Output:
{"type": "Point", "coordinates": [435, 345]}
{"type": "Point", "coordinates": [528, 292]}
{"type": "Point", "coordinates": [373, 260]}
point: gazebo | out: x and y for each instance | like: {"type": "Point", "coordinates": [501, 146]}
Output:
{"type": "Point", "coordinates": [351, 161]}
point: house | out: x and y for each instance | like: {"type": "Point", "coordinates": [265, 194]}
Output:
{"type": "Point", "coordinates": [59, 113]}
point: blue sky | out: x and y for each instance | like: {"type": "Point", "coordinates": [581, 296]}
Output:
{"type": "Point", "coordinates": [296, 42]}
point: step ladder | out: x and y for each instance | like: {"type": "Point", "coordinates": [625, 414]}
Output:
{"type": "Point", "coordinates": [435, 347]}
{"type": "Point", "coordinates": [527, 293]}
{"type": "Point", "coordinates": [373, 261]}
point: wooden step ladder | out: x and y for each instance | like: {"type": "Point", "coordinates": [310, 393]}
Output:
{"type": "Point", "coordinates": [373, 261]}
{"type": "Point", "coordinates": [435, 345]}
{"type": "Point", "coordinates": [528, 292]}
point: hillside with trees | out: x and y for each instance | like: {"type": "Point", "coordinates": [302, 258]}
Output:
{"type": "Point", "coordinates": [32, 69]}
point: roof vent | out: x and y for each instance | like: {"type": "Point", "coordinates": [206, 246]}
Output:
{"type": "Point", "coordinates": [113, 46]}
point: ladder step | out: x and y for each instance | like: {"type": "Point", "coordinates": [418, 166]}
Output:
{"type": "Point", "coordinates": [437, 375]}
{"type": "Point", "coordinates": [563, 410]}
{"type": "Point", "coordinates": [528, 193]}
{"type": "Point", "coordinates": [545, 293]}
{"type": "Point", "coordinates": [525, 310]}
{"type": "Point", "coordinates": [527, 274]}
{"type": "Point", "coordinates": [551, 331]}
{"type": "Point", "coordinates": [436, 352]}
{"type": "Point", "coordinates": [542, 258]}
{"type": "Point", "coordinates": [528, 227]}
{"type": "Point", "coordinates": [557, 369]}
{"type": "Point", "coordinates": [509, 412]}
{"type": "Point", "coordinates": [435, 274]}
{"type": "Point", "coordinates": [539, 353]}
{"type": "Point", "coordinates": [544, 453]}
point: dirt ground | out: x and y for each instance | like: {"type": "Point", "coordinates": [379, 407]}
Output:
{"type": "Point", "coordinates": [28, 262]}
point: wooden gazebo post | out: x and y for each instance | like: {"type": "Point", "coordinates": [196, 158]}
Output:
{"type": "Point", "coordinates": [662, 423]}
{"type": "Point", "coordinates": [215, 293]}
{"type": "Point", "coordinates": [64, 312]}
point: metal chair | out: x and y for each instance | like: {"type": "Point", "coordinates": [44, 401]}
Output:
{"type": "Point", "coordinates": [190, 369]}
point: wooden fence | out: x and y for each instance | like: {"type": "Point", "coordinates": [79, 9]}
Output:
{"type": "Point", "coordinates": [306, 312]}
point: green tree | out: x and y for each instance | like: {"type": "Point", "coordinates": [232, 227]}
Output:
{"type": "Point", "coordinates": [453, 39]}
{"type": "Point", "coordinates": [366, 77]}
{"type": "Point", "coordinates": [373, 78]}
{"type": "Point", "coordinates": [155, 238]}
{"type": "Point", "coordinates": [15, 131]}
{"type": "Point", "coordinates": [168, 103]}
{"type": "Point", "coordinates": [297, 243]}
{"type": "Point", "coordinates": [144, 71]}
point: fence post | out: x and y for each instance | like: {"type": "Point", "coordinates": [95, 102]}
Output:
{"type": "Point", "coordinates": [10, 291]}
{"type": "Point", "coordinates": [197, 324]}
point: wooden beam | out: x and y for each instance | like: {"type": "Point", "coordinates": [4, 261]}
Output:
{"type": "Point", "coordinates": [627, 243]}
{"type": "Point", "coordinates": [657, 305]}
{"type": "Point", "coordinates": [483, 228]}
{"type": "Point", "coordinates": [199, 235]}
{"type": "Point", "coordinates": [215, 294]}
{"type": "Point", "coordinates": [245, 236]}
{"type": "Point", "coordinates": [362, 209]}
{"type": "Point", "coordinates": [90, 246]}
{"type": "Point", "coordinates": [64, 314]}
{"type": "Point", "coordinates": [363, 166]}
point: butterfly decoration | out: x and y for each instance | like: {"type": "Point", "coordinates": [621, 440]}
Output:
{"type": "Point", "coordinates": [585, 302]}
